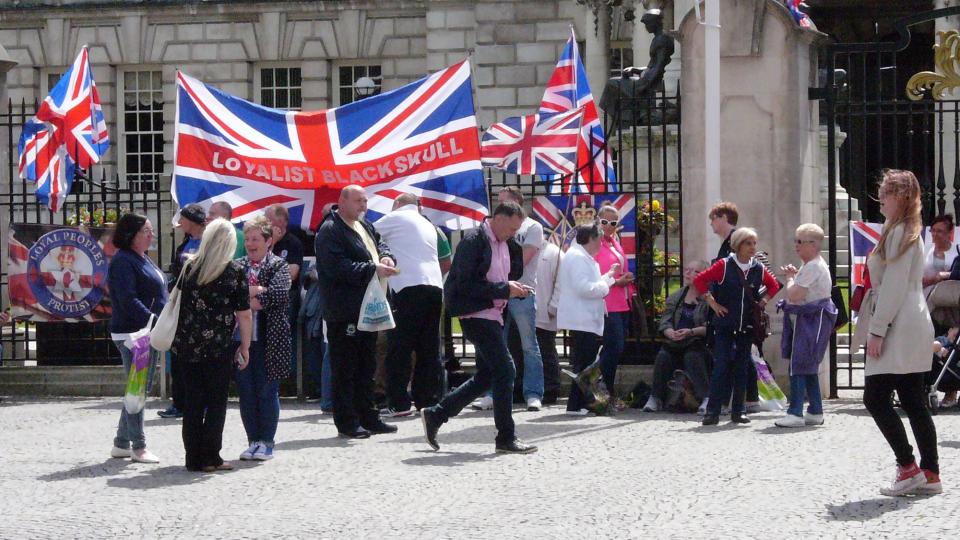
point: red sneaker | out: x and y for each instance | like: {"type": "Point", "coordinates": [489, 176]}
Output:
{"type": "Point", "coordinates": [907, 481]}
{"type": "Point", "coordinates": [933, 486]}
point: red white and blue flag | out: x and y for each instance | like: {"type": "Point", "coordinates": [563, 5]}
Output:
{"type": "Point", "coordinates": [68, 130]}
{"type": "Point", "coordinates": [420, 138]}
{"type": "Point", "coordinates": [568, 89]}
{"type": "Point", "coordinates": [559, 213]}
{"type": "Point", "coordinates": [534, 144]}
{"type": "Point", "coordinates": [863, 238]}
{"type": "Point", "coordinates": [799, 16]}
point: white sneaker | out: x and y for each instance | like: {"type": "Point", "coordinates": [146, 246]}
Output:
{"type": "Point", "coordinates": [263, 453]}
{"type": "Point", "coordinates": [390, 412]}
{"type": "Point", "coordinates": [653, 405]}
{"type": "Point", "coordinates": [907, 481]}
{"type": "Point", "coordinates": [702, 410]}
{"type": "Point", "coordinates": [813, 419]}
{"type": "Point", "coordinates": [581, 412]}
{"type": "Point", "coordinates": [144, 456]}
{"type": "Point", "coordinates": [247, 454]}
{"type": "Point", "coordinates": [484, 403]}
{"type": "Point", "coordinates": [533, 404]}
{"type": "Point", "coordinates": [790, 421]}
{"type": "Point", "coordinates": [754, 407]}
{"type": "Point", "coordinates": [117, 452]}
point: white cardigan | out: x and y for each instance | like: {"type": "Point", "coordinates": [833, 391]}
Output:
{"type": "Point", "coordinates": [581, 290]}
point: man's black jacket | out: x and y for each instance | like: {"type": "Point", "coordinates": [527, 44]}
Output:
{"type": "Point", "coordinates": [344, 267]}
{"type": "Point", "coordinates": [467, 289]}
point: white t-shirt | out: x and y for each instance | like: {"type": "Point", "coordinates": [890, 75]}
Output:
{"type": "Point", "coordinates": [815, 277]}
{"type": "Point", "coordinates": [530, 235]}
{"type": "Point", "coordinates": [412, 240]}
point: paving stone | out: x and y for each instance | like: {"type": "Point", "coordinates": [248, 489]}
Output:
{"type": "Point", "coordinates": [633, 475]}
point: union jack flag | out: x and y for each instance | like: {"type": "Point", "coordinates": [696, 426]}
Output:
{"type": "Point", "coordinates": [568, 89]}
{"type": "Point", "coordinates": [420, 138]}
{"type": "Point", "coordinates": [68, 130]}
{"type": "Point", "coordinates": [558, 214]}
{"type": "Point", "coordinates": [534, 144]}
{"type": "Point", "coordinates": [863, 238]}
{"type": "Point", "coordinates": [801, 18]}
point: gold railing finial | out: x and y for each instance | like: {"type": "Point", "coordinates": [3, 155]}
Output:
{"type": "Point", "coordinates": [945, 60]}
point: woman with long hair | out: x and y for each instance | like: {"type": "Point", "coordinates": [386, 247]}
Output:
{"type": "Point", "coordinates": [138, 292]}
{"type": "Point", "coordinates": [894, 320]}
{"type": "Point", "coordinates": [268, 285]}
{"type": "Point", "coordinates": [213, 302]}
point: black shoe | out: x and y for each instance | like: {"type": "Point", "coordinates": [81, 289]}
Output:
{"type": "Point", "coordinates": [711, 419]}
{"type": "Point", "coordinates": [358, 433]}
{"type": "Point", "coordinates": [170, 412]}
{"type": "Point", "coordinates": [431, 425]}
{"type": "Point", "coordinates": [515, 446]}
{"type": "Point", "coordinates": [739, 418]}
{"type": "Point", "coordinates": [549, 398]}
{"type": "Point", "coordinates": [380, 427]}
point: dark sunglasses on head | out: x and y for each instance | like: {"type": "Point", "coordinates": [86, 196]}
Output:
{"type": "Point", "coordinates": [610, 222]}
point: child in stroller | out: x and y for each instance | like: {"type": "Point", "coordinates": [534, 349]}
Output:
{"type": "Point", "coordinates": [944, 375]}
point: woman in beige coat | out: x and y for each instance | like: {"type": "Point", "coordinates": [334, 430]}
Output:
{"type": "Point", "coordinates": [893, 320]}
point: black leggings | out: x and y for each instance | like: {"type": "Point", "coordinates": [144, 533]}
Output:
{"type": "Point", "coordinates": [877, 393]}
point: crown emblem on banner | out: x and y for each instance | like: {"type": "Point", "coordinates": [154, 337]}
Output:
{"type": "Point", "coordinates": [584, 214]}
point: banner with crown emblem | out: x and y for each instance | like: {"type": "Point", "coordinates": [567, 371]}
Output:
{"type": "Point", "coordinates": [59, 274]}
{"type": "Point", "coordinates": [559, 214]}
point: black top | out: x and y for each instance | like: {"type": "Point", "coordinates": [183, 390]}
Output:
{"type": "Point", "coordinates": [290, 249]}
{"type": "Point", "coordinates": [205, 327]}
{"type": "Point", "coordinates": [344, 267]}
{"type": "Point", "coordinates": [466, 289]}
{"type": "Point", "coordinates": [725, 249]}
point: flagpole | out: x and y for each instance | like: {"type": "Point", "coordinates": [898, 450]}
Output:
{"type": "Point", "coordinates": [711, 56]}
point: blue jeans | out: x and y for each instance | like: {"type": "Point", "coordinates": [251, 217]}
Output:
{"type": "Point", "coordinates": [805, 386]}
{"type": "Point", "coordinates": [731, 354]}
{"type": "Point", "coordinates": [130, 428]}
{"type": "Point", "coordinates": [259, 398]}
{"type": "Point", "coordinates": [318, 363]}
{"type": "Point", "coordinates": [495, 371]}
{"type": "Point", "coordinates": [614, 337]}
{"type": "Point", "coordinates": [523, 311]}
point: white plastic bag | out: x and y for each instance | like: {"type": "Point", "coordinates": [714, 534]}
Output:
{"type": "Point", "coordinates": [375, 314]}
{"type": "Point", "coordinates": [138, 377]}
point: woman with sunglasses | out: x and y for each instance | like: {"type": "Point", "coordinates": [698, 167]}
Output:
{"type": "Point", "coordinates": [618, 299]}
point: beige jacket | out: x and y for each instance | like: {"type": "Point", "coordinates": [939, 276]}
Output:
{"type": "Point", "coordinates": [896, 310]}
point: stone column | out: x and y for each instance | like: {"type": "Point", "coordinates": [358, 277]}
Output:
{"type": "Point", "coordinates": [597, 53]}
{"type": "Point", "coordinates": [769, 131]}
{"type": "Point", "coordinates": [6, 64]}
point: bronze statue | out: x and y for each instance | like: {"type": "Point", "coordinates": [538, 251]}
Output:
{"type": "Point", "coordinates": [631, 98]}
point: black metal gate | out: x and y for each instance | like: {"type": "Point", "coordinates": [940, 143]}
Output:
{"type": "Point", "coordinates": [646, 160]}
{"type": "Point", "coordinates": [874, 123]}
{"type": "Point", "coordinates": [96, 198]}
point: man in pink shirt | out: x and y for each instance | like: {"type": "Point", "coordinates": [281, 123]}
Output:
{"type": "Point", "coordinates": [481, 281]}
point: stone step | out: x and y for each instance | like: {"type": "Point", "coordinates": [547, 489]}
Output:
{"type": "Point", "coordinates": [87, 381]}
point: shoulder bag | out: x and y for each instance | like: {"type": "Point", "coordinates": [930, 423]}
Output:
{"type": "Point", "coordinates": [162, 333]}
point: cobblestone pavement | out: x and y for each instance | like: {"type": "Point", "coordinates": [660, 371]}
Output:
{"type": "Point", "coordinates": [630, 476]}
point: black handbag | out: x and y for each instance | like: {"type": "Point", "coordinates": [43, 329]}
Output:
{"type": "Point", "coordinates": [836, 295]}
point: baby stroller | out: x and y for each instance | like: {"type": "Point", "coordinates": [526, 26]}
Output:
{"type": "Point", "coordinates": [948, 371]}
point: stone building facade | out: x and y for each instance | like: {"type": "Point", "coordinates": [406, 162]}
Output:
{"type": "Point", "coordinates": [299, 55]}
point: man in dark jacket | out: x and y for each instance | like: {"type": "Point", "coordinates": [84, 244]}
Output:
{"type": "Point", "coordinates": [350, 254]}
{"type": "Point", "coordinates": [481, 280]}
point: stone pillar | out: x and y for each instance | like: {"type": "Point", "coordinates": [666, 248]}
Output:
{"type": "Point", "coordinates": [770, 138]}
{"type": "Point", "coordinates": [597, 54]}
{"type": "Point", "coordinates": [6, 64]}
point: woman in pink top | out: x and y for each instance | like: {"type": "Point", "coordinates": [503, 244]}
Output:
{"type": "Point", "coordinates": [618, 299]}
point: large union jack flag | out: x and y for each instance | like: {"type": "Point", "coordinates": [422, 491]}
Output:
{"type": "Point", "coordinates": [534, 144]}
{"type": "Point", "coordinates": [568, 89]}
{"type": "Point", "coordinates": [863, 239]}
{"type": "Point", "coordinates": [68, 130]}
{"type": "Point", "coordinates": [420, 138]}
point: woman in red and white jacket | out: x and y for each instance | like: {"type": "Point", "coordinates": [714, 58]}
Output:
{"type": "Point", "coordinates": [738, 282]}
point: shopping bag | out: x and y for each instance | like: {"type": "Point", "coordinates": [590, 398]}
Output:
{"type": "Point", "coordinates": [136, 394]}
{"type": "Point", "coordinates": [375, 314]}
{"type": "Point", "coordinates": [596, 396]}
{"type": "Point", "coordinates": [161, 337]}
{"type": "Point", "coordinates": [771, 396]}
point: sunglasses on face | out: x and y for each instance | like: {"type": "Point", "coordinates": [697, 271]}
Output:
{"type": "Point", "coordinates": [800, 242]}
{"type": "Point", "coordinates": [611, 222]}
